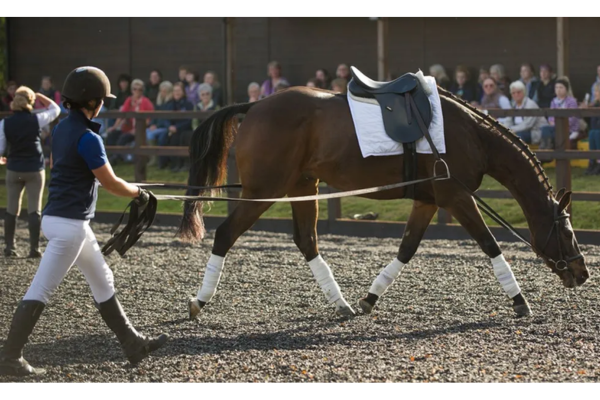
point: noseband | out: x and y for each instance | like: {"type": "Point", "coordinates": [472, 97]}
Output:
{"type": "Point", "coordinates": [562, 264]}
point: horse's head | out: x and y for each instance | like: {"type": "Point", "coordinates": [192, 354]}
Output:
{"type": "Point", "coordinates": [555, 242]}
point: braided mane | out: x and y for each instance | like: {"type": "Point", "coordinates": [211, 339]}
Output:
{"type": "Point", "coordinates": [507, 134]}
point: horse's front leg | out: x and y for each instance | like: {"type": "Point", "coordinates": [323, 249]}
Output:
{"type": "Point", "coordinates": [419, 220]}
{"type": "Point", "coordinates": [465, 210]}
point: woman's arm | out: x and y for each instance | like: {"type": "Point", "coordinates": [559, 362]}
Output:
{"type": "Point", "coordinates": [53, 110]}
{"type": "Point", "coordinates": [114, 184]}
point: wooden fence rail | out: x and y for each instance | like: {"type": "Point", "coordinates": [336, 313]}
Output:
{"type": "Point", "coordinates": [562, 153]}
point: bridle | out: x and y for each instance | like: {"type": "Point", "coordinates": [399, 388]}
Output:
{"type": "Point", "coordinates": [562, 264]}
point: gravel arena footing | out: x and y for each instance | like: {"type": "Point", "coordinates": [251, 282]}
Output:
{"type": "Point", "coordinates": [445, 319]}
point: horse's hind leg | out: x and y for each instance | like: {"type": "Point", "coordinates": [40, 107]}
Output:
{"type": "Point", "coordinates": [241, 219]}
{"type": "Point", "coordinates": [417, 224]}
{"type": "Point", "coordinates": [465, 210]}
{"type": "Point", "coordinates": [305, 216]}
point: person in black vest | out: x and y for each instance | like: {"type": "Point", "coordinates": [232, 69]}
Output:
{"type": "Point", "coordinates": [21, 139]}
{"type": "Point", "coordinates": [78, 162]}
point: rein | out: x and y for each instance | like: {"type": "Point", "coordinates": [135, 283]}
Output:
{"type": "Point", "coordinates": [141, 218]}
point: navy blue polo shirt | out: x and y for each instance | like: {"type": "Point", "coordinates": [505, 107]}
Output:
{"type": "Point", "coordinates": [77, 149]}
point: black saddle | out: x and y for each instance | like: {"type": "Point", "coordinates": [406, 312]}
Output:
{"type": "Point", "coordinates": [399, 100]}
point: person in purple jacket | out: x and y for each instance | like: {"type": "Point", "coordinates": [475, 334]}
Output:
{"type": "Point", "coordinates": [562, 100]}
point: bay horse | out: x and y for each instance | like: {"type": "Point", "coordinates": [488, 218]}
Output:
{"type": "Point", "coordinates": [292, 140]}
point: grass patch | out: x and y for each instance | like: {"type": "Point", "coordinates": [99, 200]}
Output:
{"type": "Point", "coordinates": [586, 214]}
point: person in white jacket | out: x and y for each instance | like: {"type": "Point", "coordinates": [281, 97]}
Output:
{"type": "Point", "coordinates": [527, 128]}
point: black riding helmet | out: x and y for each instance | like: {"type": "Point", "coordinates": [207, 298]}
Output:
{"type": "Point", "coordinates": [85, 84]}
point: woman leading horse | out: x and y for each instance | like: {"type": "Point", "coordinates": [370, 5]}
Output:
{"type": "Point", "coordinates": [291, 141]}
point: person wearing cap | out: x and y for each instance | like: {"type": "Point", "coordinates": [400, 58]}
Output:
{"type": "Point", "coordinates": [21, 140]}
{"type": "Point", "coordinates": [78, 162]}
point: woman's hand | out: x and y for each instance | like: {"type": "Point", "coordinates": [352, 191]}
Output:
{"type": "Point", "coordinates": [2, 160]}
{"type": "Point", "coordinates": [43, 99]}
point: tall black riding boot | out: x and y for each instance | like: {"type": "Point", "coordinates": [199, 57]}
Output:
{"type": "Point", "coordinates": [10, 225]}
{"type": "Point", "coordinates": [135, 346]}
{"type": "Point", "coordinates": [11, 358]}
{"type": "Point", "coordinates": [35, 222]}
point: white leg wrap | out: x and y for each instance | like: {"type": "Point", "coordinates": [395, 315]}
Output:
{"type": "Point", "coordinates": [505, 276]}
{"type": "Point", "coordinates": [324, 278]}
{"type": "Point", "coordinates": [386, 277]}
{"type": "Point", "coordinates": [212, 275]}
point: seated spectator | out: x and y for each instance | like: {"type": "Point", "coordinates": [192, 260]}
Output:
{"type": "Point", "coordinates": [339, 85]}
{"type": "Point", "coordinates": [503, 82]}
{"type": "Point", "coordinates": [493, 98]}
{"type": "Point", "coordinates": [343, 72]}
{"type": "Point", "coordinates": [281, 86]}
{"type": "Point", "coordinates": [545, 89]}
{"type": "Point", "coordinates": [313, 83]}
{"type": "Point", "coordinates": [122, 133]}
{"type": "Point", "coordinates": [48, 90]}
{"type": "Point", "coordinates": [183, 71]}
{"type": "Point", "coordinates": [158, 131]}
{"type": "Point", "coordinates": [269, 85]}
{"type": "Point", "coordinates": [191, 90]}
{"type": "Point", "coordinates": [596, 82]}
{"type": "Point", "coordinates": [594, 133]}
{"type": "Point", "coordinates": [322, 75]}
{"type": "Point", "coordinates": [212, 79]}
{"type": "Point", "coordinates": [530, 80]}
{"type": "Point", "coordinates": [179, 130]}
{"type": "Point", "coordinates": [165, 94]}
{"type": "Point", "coordinates": [462, 87]}
{"type": "Point", "coordinates": [253, 92]}
{"type": "Point", "coordinates": [484, 73]}
{"type": "Point", "coordinates": [562, 100]}
{"type": "Point", "coordinates": [152, 87]}
{"type": "Point", "coordinates": [11, 89]}
{"type": "Point", "coordinates": [439, 73]}
{"type": "Point", "coordinates": [527, 128]}
{"type": "Point", "coordinates": [124, 91]}
{"type": "Point", "coordinates": [206, 102]}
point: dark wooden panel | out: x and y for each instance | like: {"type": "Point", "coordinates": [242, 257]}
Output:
{"type": "Point", "coordinates": [167, 43]}
{"type": "Point", "coordinates": [55, 46]}
{"type": "Point", "coordinates": [303, 45]}
{"type": "Point", "coordinates": [251, 54]}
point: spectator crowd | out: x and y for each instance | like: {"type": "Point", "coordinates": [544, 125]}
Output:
{"type": "Point", "coordinates": [488, 88]}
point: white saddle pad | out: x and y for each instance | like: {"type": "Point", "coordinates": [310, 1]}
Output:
{"type": "Point", "coordinates": [373, 141]}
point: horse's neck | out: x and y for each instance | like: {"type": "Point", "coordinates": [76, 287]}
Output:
{"type": "Point", "coordinates": [509, 166]}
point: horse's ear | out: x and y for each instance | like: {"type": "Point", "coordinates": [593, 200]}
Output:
{"type": "Point", "coordinates": [559, 194]}
{"type": "Point", "coordinates": [565, 200]}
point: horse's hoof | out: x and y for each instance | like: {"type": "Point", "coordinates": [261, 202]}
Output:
{"type": "Point", "coordinates": [522, 310]}
{"type": "Point", "coordinates": [365, 306]}
{"type": "Point", "coordinates": [345, 312]}
{"type": "Point", "coordinates": [194, 308]}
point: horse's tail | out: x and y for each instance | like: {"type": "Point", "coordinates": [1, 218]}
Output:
{"type": "Point", "coordinates": [209, 150]}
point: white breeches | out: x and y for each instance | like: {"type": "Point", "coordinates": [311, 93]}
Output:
{"type": "Point", "coordinates": [71, 241]}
